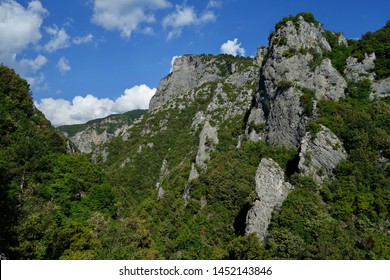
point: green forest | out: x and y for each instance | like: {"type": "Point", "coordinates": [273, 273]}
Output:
{"type": "Point", "coordinates": [60, 205]}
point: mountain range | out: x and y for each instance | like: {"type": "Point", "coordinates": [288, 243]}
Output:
{"type": "Point", "coordinates": [284, 155]}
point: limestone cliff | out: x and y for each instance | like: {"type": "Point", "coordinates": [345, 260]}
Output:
{"type": "Point", "coordinates": [320, 154]}
{"type": "Point", "coordinates": [294, 65]}
{"type": "Point", "coordinates": [271, 191]}
{"type": "Point", "coordinates": [97, 132]}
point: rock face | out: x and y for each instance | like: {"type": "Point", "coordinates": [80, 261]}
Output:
{"type": "Point", "coordinates": [271, 191]}
{"type": "Point", "coordinates": [295, 50]}
{"type": "Point", "coordinates": [320, 155]}
{"type": "Point", "coordinates": [87, 139]}
{"type": "Point", "coordinates": [294, 65]}
{"type": "Point", "coordinates": [193, 75]}
{"type": "Point", "coordinates": [357, 71]}
{"type": "Point", "coordinates": [207, 140]}
{"type": "Point", "coordinates": [261, 55]}
{"type": "Point", "coordinates": [97, 132]}
{"type": "Point", "coordinates": [380, 89]}
{"type": "Point", "coordinates": [189, 71]}
{"type": "Point", "coordinates": [285, 123]}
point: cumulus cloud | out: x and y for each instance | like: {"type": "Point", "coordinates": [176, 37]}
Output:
{"type": "Point", "coordinates": [19, 27]}
{"type": "Point", "coordinates": [63, 65]}
{"type": "Point", "coordinates": [125, 15]}
{"type": "Point", "coordinates": [59, 39]}
{"type": "Point", "coordinates": [82, 109]}
{"type": "Point", "coordinates": [233, 48]}
{"type": "Point", "coordinates": [83, 39]}
{"type": "Point", "coordinates": [185, 16]}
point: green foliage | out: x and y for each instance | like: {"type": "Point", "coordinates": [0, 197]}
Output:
{"type": "Point", "coordinates": [54, 213]}
{"type": "Point", "coordinates": [289, 53]}
{"type": "Point", "coordinates": [280, 40]}
{"type": "Point", "coordinates": [313, 128]}
{"type": "Point", "coordinates": [26, 139]}
{"type": "Point", "coordinates": [378, 43]}
{"type": "Point", "coordinates": [307, 100]}
{"type": "Point", "coordinates": [256, 151]}
{"type": "Point", "coordinates": [308, 17]}
{"type": "Point", "coordinates": [256, 127]}
{"type": "Point", "coordinates": [332, 38]}
{"type": "Point", "coordinates": [245, 248]}
{"type": "Point", "coordinates": [316, 60]}
{"type": "Point", "coordinates": [101, 198]}
{"type": "Point", "coordinates": [359, 90]}
{"type": "Point", "coordinates": [338, 56]}
{"type": "Point", "coordinates": [285, 85]}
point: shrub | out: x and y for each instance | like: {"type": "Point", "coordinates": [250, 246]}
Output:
{"type": "Point", "coordinates": [284, 85]}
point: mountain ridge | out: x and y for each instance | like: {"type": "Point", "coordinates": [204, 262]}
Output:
{"type": "Point", "coordinates": [272, 157]}
{"type": "Point", "coordinates": [98, 131]}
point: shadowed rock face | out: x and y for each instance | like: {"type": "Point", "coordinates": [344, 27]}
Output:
{"type": "Point", "coordinates": [271, 191]}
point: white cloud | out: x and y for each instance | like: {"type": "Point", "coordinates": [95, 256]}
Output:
{"type": "Point", "coordinates": [60, 39]}
{"type": "Point", "coordinates": [36, 81]}
{"type": "Point", "coordinates": [19, 27]}
{"type": "Point", "coordinates": [33, 65]}
{"type": "Point", "coordinates": [63, 65]}
{"type": "Point", "coordinates": [125, 15]}
{"type": "Point", "coordinates": [83, 39]}
{"type": "Point", "coordinates": [137, 97]}
{"type": "Point", "coordinates": [233, 48]}
{"type": "Point", "coordinates": [214, 4]}
{"type": "Point", "coordinates": [83, 109]}
{"type": "Point", "coordinates": [185, 16]}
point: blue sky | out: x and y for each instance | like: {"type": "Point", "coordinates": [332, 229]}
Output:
{"type": "Point", "coordinates": [89, 58]}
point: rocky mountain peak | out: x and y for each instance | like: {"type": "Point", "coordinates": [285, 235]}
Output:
{"type": "Point", "coordinates": [300, 33]}
{"type": "Point", "coordinates": [192, 71]}
{"type": "Point", "coordinates": [188, 72]}
{"type": "Point", "coordinates": [295, 73]}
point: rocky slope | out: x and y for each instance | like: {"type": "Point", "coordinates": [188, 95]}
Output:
{"type": "Point", "coordinates": [229, 142]}
{"type": "Point", "coordinates": [97, 132]}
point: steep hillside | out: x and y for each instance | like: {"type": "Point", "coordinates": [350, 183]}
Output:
{"type": "Point", "coordinates": [46, 196]}
{"type": "Point", "coordinates": [272, 157]}
{"type": "Point", "coordinates": [97, 132]}
{"type": "Point", "coordinates": [281, 156]}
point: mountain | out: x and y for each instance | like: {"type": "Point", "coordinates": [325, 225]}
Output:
{"type": "Point", "coordinates": [281, 156]}
{"type": "Point", "coordinates": [46, 195]}
{"type": "Point", "coordinates": [96, 132]}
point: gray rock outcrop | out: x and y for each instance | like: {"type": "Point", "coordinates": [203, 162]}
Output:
{"type": "Point", "coordinates": [261, 55]}
{"type": "Point", "coordinates": [189, 71]}
{"type": "Point", "coordinates": [320, 155]}
{"type": "Point", "coordinates": [271, 191]}
{"type": "Point", "coordinates": [207, 140]}
{"type": "Point", "coordinates": [87, 139]}
{"type": "Point", "coordinates": [285, 123]}
{"type": "Point", "coordinates": [295, 62]}
{"type": "Point", "coordinates": [380, 89]}
{"type": "Point", "coordinates": [357, 71]}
